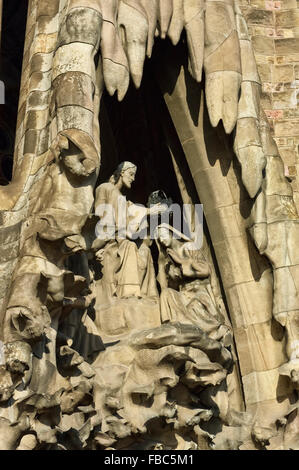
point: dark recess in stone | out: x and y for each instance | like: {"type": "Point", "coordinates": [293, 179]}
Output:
{"type": "Point", "coordinates": [11, 57]}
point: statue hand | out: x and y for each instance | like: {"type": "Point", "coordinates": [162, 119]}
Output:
{"type": "Point", "coordinates": [99, 243]}
{"type": "Point", "coordinates": [100, 254]}
{"type": "Point", "coordinates": [174, 256]}
{"type": "Point", "coordinates": [158, 208]}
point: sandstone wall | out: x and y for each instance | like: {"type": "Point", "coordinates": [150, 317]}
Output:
{"type": "Point", "coordinates": [274, 29]}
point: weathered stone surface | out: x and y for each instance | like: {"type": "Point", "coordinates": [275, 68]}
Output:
{"type": "Point", "coordinates": [288, 18]}
{"type": "Point", "coordinates": [259, 336]}
{"type": "Point", "coordinates": [264, 17]}
{"type": "Point", "coordinates": [80, 25]}
{"type": "Point", "coordinates": [263, 46]}
{"type": "Point", "coordinates": [287, 128]}
{"type": "Point", "coordinates": [114, 340]}
{"type": "Point", "coordinates": [283, 73]}
{"type": "Point", "coordinates": [265, 379]}
{"type": "Point", "coordinates": [287, 46]}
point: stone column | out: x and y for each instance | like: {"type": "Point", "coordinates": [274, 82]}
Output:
{"type": "Point", "coordinates": [247, 277]}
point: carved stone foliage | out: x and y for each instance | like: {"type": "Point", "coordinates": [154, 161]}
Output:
{"type": "Point", "coordinates": [117, 340]}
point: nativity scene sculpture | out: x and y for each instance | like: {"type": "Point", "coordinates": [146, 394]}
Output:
{"type": "Point", "coordinates": [118, 331]}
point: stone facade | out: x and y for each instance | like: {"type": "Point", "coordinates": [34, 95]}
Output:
{"type": "Point", "coordinates": [113, 340]}
{"type": "Point", "coordinates": [274, 29]}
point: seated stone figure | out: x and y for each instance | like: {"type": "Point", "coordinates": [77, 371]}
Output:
{"type": "Point", "coordinates": [127, 263]}
{"type": "Point", "coordinates": [184, 277]}
{"type": "Point", "coordinates": [127, 270]}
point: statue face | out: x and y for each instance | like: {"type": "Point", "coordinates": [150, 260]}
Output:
{"type": "Point", "coordinates": [174, 272]}
{"type": "Point", "coordinates": [128, 177]}
{"type": "Point", "coordinates": [165, 237]}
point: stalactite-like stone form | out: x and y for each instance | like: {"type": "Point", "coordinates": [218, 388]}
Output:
{"type": "Point", "coordinates": [248, 146]}
{"type": "Point", "coordinates": [165, 10]}
{"type": "Point", "coordinates": [115, 63]}
{"type": "Point", "coordinates": [133, 25]}
{"type": "Point", "coordinates": [177, 21]}
{"type": "Point", "coordinates": [195, 28]}
{"type": "Point", "coordinates": [222, 63]}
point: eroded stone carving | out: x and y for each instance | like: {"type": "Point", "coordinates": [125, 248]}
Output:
{"type": "Point", "coordinates": [127, 357]}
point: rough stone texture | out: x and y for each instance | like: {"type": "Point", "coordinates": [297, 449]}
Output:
{"type": "Point", "coordinates": [274, 29]}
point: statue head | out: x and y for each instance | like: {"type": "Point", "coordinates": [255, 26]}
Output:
{"type": "Point", "coordinates": [158, 197]}
{"type": "Point", "coordinates": [125, 171]}
{"type": "Point", "coordinates": [165, 233]}
{"type": "Point", "coordinates": [173, 272]}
